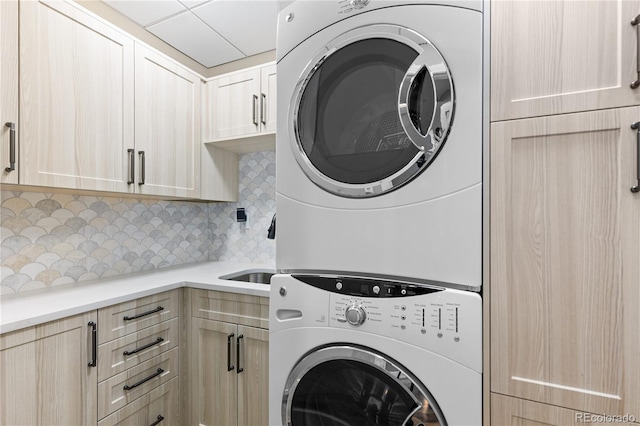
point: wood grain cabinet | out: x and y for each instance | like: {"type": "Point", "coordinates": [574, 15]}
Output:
{"type": "Point", "coordinates": [241, 110]}
{"type": "Point", "coordinates": [229, 362]}
{"type": "Point", "coordinates": [565, 263]}
{"type": "Point", "coordinates": [46, 377]}
{"type": "Point", "coordinates": [9, 91]}
{"type": "Point", "coordinates": [76, 99]}
{"type": "Point", "coordinates": [555, 57]}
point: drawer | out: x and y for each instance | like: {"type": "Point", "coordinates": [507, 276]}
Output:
{"type": "Point", "coordinates": [119, 390]}
{"type": "Point", "coordinates": [128, 317]}
{"type": "Point", "coordinates": [118, 355]}
{"type": "Point", "coordinates": [160, 407]}
{"type": "Point", "coordinates": [231, 307]}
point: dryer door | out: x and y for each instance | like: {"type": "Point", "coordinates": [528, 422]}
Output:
{"type": "Point", "coordinates": [350, 385]}
{"type": "Point", "coordinates": [371, 111]}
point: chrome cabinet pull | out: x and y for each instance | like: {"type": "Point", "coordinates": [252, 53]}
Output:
{"type": "Point", "coordinates": [12, 146]}
{"type": "Point", "coordinates": [229, 366]}
{"type": "Point", "coordinates": [94, 344]}
{"type": "Point", "coordinates": [635, 23]}
{"type": "Point", "coordinates": [263, 108]}
{"type": "Point", "coordinates": [142, 170]}
{"type": "Point", "coordinates": [132, 165]}
{"type": "Point", "coordinates": [144, 314]}
{"type": "Point", "coordinates": [142, 348]}
{"type": "Point", "coordinates": [158, 420]}
{"type": "Point", "coordinates": [158, 372]}
{"type": "Point", "coordinates": [255, 110]}
{"type": "Point", "coordinates": [636, 126]}
{"type": "Point", "coordinates": [240, 369]}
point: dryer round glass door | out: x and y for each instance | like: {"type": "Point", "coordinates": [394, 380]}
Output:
{"type": "Point", "coordinates": [349, 385]}
{"type": "Point", "coordinates": [371, 111]}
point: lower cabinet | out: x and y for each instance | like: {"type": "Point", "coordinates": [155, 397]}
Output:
{"type": "Point", "coordinates": [45, 374]}
{"type": "Point", "coordinates": [229, 383]}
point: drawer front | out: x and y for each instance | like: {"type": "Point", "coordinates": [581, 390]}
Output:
{"type": "Point", "coordinates": [159, 407]}
{"type": "Point", "coordinates": [128, 317]}
{"type": "Point", "coordinates": [231, 307]}
{"type": "Point", "coordinates": [130, 385]}
{"type": "Point", "coordinates": [118, 355]}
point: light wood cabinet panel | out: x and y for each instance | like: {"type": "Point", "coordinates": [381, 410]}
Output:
{"type": "Point", "coordinates": [77, 99]}
{"type": "Point", "coordinates": [167, 126]}
{"type": "Point", "coordinates": [160, 405]}
{"type": "Point", "coordinates": [253, 381]}
{"type": "Point", "coordinates": [8, 87]}
{"type": "Point", "coordinates": [235, 308]}
{"type": "Point", "coordinates": [507, 411]}
{"type": "Point", "coordinates": [268, 98]}
{"type": "Point", "coordinates": [553, 57]}
{"type": "Point", "coordinates": [214, 384]}
{"type": "Point", "coordinates": [46, 379]}
{"type": "Point", "coordinates": [565, 237]}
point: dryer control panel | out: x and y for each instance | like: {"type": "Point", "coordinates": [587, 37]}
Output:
{"type": "Point", "coordinates": [444, 320]}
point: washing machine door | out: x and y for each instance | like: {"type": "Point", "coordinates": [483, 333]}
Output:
{"type": "Point", "coordinates": [350, 385]}
{"type": "Point", "coordinates": [371, 111]}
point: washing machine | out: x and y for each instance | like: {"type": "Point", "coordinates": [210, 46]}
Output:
{"type": "Point", "coordinates": [380, 139]}
{"type": "Point", "coordinates": [348, 351]}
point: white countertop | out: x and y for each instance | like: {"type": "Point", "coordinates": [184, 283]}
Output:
{"type": "Point", "coordinates": [39, 306]}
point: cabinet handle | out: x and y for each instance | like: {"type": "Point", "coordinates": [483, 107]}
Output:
{"type": "Point", "coordinates": [158, 420]}
{"type": "Point", "coordinates": [229, 366]}
{"type": "Point", "coordinates": [12, 147]}
{"type": "Point", "coordinates": [144, 314]}
{"type": "Point", "coordinates": [255, 110]}
{"type": "Point", "coordinates": [153, 376]}
{"type": "Point", "coordinates": [240, 369]}
{"type": "Point", "coordinates": [142, 170]}
{"type": "Point", "coordinates": [263, 108]}
{"type": "Point", "coordinates": [636, 126]}
{"type": "Point", "coordinates": [94, 344]}
{"type": "Point", "coordinates": [132, 165]}
{"type": "Point", "coordinates": [142, 348]}
{"type": "Point", "coordinates": [635, 23]}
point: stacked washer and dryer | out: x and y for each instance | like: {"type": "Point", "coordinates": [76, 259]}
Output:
{"type": "Point", "coordinates": [375, 314]}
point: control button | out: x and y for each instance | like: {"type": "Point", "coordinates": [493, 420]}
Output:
{"type": "Point", "coordinates": [440, 335]}
{"type": "Point", "coordinates": [376, 289]}
{"type": "Point", "coordinates": [403, 318]}
{"type": "Point", "coordinates": [403, 292]}
{"type": "Point", "coordinates": [403, 327]}
{"type": "Point", "coordinates": [355, 315]}
{"type": "Point", "coordinates": [341, 320]}
{"type": "Point", "coordinates": [338, 285]}
{"type": "Point", "coordinates": [359, 4]}
{"type": "Point", "coordinates": [456, 339]}
{"type": "Point", "coordinates": [423, 331]}
{"type": "Point", "coordinates": [404, 308]}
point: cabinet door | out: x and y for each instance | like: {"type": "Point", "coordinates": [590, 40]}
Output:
{"type": "Point", "coordinates": [8, 90]}
{"type": "Point", "coordinates": [553, 57]}
{"type": "Point", "coordinates": [268, 98]}
{"type": "Point", "coordinates": [167, 126]}
{"type": "Point", "coordinates": [253, 380]}
{"type": "Point", "coordinates": [45, 376]}
{"type": "Point", "coordinates": [235, 104]}
{"type": "Point", "coordinates": [565, 250]}
{"type": "Point", "coordinates": [76, 107]}
{"type": "Point", "coordinates": [214, 384]}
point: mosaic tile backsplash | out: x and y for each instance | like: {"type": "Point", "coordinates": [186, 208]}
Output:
{"type": "Point", "coordinates": [49, 239]}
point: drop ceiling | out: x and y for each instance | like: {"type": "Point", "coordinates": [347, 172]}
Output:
{"type": "Point", "coordinates": [212, 32]}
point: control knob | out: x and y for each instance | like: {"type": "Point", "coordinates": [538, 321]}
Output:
{"type": "Point", "coordinates": [355, 315]}
{"type": "Point", "coordinates": [359, 4]}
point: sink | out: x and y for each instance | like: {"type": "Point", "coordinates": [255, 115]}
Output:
{"type": "Point", "coordinates": [261, 276]}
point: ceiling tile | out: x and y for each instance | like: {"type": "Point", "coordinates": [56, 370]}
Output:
{"type": "Point", "coordinates": [194, 38]}
{"type": "Point", "coordinates": [146, 12]}
{"type": "Point", "coordinates": [249, 25]}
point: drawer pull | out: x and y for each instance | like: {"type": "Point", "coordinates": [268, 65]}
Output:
{"type": "Point", "coordinates": [142, 348]}
{"type": "Point", "coordinates": [144, 314]}
{"type": "Point", "coordinates": [12, 147]}
{"type": "Point", "coordinates": [229, 366]}
{"type": "Point", "coordinates": [158, 420]}
{"type": "Point", "coordinates": [153, 376]}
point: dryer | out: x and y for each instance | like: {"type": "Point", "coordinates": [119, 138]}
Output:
{"type": "Point", "coordinates": [380, 139]}
{"type": "Point", "coordinates": [348, 351]}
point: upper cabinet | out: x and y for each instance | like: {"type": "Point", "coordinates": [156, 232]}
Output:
{"type": "Point", "coordinates": [167, 127]}
{"type": "Point", "coordinates": [240, 110]}
{"type": "Point", "coordinates": [563, 56]}
{"type": "Point", "coordinates": [76, 99]}
{"type": "Point", "coordinates": [8, 90]}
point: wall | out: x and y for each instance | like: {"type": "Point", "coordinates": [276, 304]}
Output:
{"type": "Point", "coordinates": [49, 238]}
